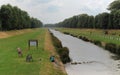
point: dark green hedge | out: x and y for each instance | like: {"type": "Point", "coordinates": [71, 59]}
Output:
{"type": "Point", "coordinates": [64, 54]}
{"type": "Point", "coordinates": [62, 51]}
{"type": "Point", "coordinates": [111, 47]}
{"type": "Point", "coordinates": [66, 33]}
{"type": "Point", "coordinates": [97, 43]}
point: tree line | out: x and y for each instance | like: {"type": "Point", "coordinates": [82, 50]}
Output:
{"type": "Point", "coordinates": [102, 21]}
{"type": "Point", "coordinates": [12, 18]}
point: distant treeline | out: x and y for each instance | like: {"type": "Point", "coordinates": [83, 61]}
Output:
{"type": "Point", "coordinates": [12, 18]}
{"type": "Point", "coordinates": [102, 21]}
{"type": "Point", "coordinates": [49, 25]}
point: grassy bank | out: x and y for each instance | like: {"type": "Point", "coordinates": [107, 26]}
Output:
{"type": "Point", "coordinates": [62, 51]}
{"type": "Point", "coordinates": [108, 39]}
{"type": "Point", "coordinates": [57, 69]}
{"type": "Point", "coordinates": [113, 36]}
{"type": "Point", "coordinates": [11, 64]}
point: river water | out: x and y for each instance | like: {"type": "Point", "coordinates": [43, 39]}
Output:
{"type": "Point", "coordinates": [92, 59]}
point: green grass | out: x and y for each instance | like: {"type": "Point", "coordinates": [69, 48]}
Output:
{"type": "Point", "coordinates": [11, 64]}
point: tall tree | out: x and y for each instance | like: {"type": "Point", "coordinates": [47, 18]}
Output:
{"type": "Point", "coordinates": [115, 5]}
{"type": "Point", "coordinates": [6, 14]}
{"type": "Point", "coordinates": [15, 18]}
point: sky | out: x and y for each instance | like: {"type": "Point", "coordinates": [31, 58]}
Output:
{"type": "Point", "coordinates": [54, 11]}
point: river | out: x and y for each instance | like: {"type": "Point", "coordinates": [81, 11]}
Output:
{"type": "Point", "coordinates": [93, 60]}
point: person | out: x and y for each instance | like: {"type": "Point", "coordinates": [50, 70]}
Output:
{"type": "Point", "coordinates": [19, 52]}
{"type": "Point", "coordinates": [52, 58]}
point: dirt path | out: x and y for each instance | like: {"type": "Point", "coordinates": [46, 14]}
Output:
{"type": "Point", "coordinates": [4, 35]}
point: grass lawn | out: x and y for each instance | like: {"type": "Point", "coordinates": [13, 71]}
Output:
{"type": "Point", "coordinates": [11, 64]}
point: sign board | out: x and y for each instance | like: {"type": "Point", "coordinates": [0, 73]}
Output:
{"type": "Point", "coordinates": [33, 43]}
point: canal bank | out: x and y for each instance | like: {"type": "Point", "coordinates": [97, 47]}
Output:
{"type": "Point", "coordinates": [92, 59]}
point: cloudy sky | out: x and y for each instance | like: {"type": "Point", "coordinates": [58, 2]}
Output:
{"type": "Point", "coordinates": [53, 11]}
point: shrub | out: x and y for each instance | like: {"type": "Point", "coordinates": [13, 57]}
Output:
{"type": "Point", "coordinates": [97, 43]}
{"type": "Point", "coordinates": [80, 37]}
{"type": "Point", "coordinates": [74, 35]}
{"type": "Point", "coordinates": [62, 51]}
{"type": "Point", "coordinates": [85, 39]}
{"type": "Point", "coordinates": [66, 33]}
{"type": "Point", "coordinates": [118, 50]}
{"type": "Point", "coordinates": [57, 43]}
{"type": "Point", "coordinates": [106, 32]}
{"type": "Point", "coordinates": [71, 34]}
{"type": "Point", "coordinates": [111, 47]}
{"type": "Point", "coordinates": [64, 54]}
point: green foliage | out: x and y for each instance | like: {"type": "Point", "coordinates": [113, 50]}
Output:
{"type": "Point", "coordinates": [111, 47]}
{"type": "Point", "coordinates": [15, 18]}
{"type": "Point", "coordinates": [35, 23]}
{"type": "Point", "coordinates": [118, 50]}
{"type": "Point", "coordinates": [66, 33]}
{"type": "Point", "coordinates": [56, 42]}
{"type": "Point", "coordinates": [64, 54]}
{"type": "Point", "coordinates": [62, 51]}
{"type": "Point", "coordinates": [101, 21]}
{"type": "Point", "coordinates": [84, 38]}
{"type": "Point", "coordinates": [96, 42]}
{"type": "Point", "coordinates": [115, 5]}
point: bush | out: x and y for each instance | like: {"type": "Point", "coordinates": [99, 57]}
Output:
{"type": "Point", "coordinates": [106, 32]}
{"type": "Point", "coordinates": [71, 34]}
{"type": "Point", "coordinates": [111, 47]}
{"type": "Point", "coordinates": [97, 43]}
{"type": "Point", "coordinates": [118, 50]}
{"type": "Point", "coordinates": [66, 33]}
{"type": "Point", "coordinates": [64, 54]}
{"type": "Point", "coordinates": [84, 38]}
{"type": "Point", "coordinates": [80, 37]}
{"type": "Point", "coordinates": [62, 51]}
{"type": "Point", "coordinates": [57, 43]}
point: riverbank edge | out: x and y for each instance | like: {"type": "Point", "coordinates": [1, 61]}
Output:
{"type": "Point", "coordinates": [113, 48]}
{"type": "Point", "coordinates": [49, 46]}
{"type": "Point", "coordinates": [63, 52]}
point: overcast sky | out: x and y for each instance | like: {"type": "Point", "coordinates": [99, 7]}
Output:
{"type": "Point", "coordinates": [53, 11]}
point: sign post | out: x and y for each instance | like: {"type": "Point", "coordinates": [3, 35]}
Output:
{"type": "Point", "coordinates": [33, 43]}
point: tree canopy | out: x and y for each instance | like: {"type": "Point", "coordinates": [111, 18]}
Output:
{"type": "Point", "coordinates": [102, 21]}
{"type": "Point", "coordinates": [12, 17]}
{"type": "Point", "coordinates": [114, 5]}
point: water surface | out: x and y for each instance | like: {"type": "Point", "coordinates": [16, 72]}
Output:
{"type": "Point", "coordinates": [93, 59]}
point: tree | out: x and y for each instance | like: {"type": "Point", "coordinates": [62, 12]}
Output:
{"type": "Point", "coordinates": [0, 24]}
{"type": "Point", "coordinates": [116, 19]}
{"type": "Point", "coordinates": [91, 22]}
{"type": "Point", "coordinates": [82, 21]}
{"type": "Point", "coordinates": [102, 21]}
{"type": "Point", "coordinates": [35, 23]}
{"type": "Point", "coordinates": [115, 5]}
{"type": "Point", "coordinates": [105, 20]}
{"type": "Point", "coordinates": [6, 14]}
{"type": "Point", "coordinates": [15, 18]}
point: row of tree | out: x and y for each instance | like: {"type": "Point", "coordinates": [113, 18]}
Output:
{"type": "Point", "coordinates": [14, 18]}
{"type": "Point", "coordinates": [103, 21]}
